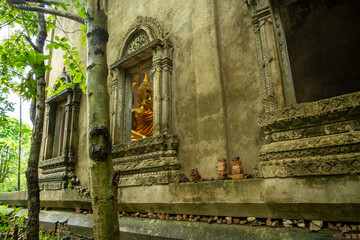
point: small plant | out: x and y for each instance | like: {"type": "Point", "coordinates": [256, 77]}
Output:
{"type": "Point", "coordinates": [44, 236]}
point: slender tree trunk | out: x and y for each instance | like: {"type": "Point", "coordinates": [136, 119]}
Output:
{"type": "Point", "coordinates": [19, 162]}
{"type": "Point", "coordinates": [32, 175]}
{"type": "Point", "coordinates": [103, 189]}
{"type": "Point", "coordinates": [33, 163]}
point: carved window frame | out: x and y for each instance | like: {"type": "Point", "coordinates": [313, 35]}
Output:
{"type": "Point", "coordinates": [275, 71]}
{"type": "Point", "coordinates": [157, 49]}
{"type": "Point", "coordinates": [59, 170]}
{"type": "Point", "coordinates": [151, 160]}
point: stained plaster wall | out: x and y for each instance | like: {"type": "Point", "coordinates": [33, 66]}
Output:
{"type": "Point", "coordinates": [215, 84]}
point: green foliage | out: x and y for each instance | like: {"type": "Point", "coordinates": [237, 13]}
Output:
{"type": "Point", "coordinates": [71, 61]}
{"type": "Point", "coordinates": [21, 62]}
{"type": "Point", "coordinates": [7, 223]}
{"type": "Point", "coordinates": [9, 153]}
{"type": "Point", "coordinates": [4, 223]}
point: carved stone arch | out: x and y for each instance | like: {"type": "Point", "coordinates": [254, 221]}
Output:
{"type": "Point", "coordinates": [152, 160]}
{"type": "Point", "coordinates": [142, 26]}
{"type": "Point", "coordinates": [61, 136]}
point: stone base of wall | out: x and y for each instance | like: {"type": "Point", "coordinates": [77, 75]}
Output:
{"type": "Point", "coordinates": [327, 198]}
{"type": "Point", "coordinates": [78, 226]}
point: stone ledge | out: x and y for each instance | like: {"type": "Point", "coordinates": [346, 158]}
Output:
{"type": "Point", "coordinates": [330, 198]}
{"type": "Point", "coordinates": [54, 199]}
{"type": "Point", "coordinates": [132, 228]}
{"type": "Point", "coordinates": [324, 111]}
{"type": "Point", "coordinates": [81, 225]}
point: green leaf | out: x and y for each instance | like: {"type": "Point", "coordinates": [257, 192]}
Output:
{"type": "Point", "coordinates": [82, 12]}
{"type": "Point", "coordinates": [51, 26]}
{"type": "Point", "coordinates": [57, 38]}
{"type": "Point", "coordinates": [26, 130]}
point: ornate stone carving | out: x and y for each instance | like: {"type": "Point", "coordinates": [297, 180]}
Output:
{"type": "Point", "coordinates": [313, 166]}
{"type": "Point", "coordinates": [151, 24]}
{"type": "Point", "coordinates": [58, 171]}
{"type": "Point", "coordinates": [151, 160]}
{"type": "Point", "coordinates": [163, 177]}
{"type": "Point", "coordinates": [316, 138]}
{"type": "Point", "coordinates": [325, 111]}
{"type": "Point", "coordinates": [275, 72]}
{"type": "Point", "coordinates": [138, 42]}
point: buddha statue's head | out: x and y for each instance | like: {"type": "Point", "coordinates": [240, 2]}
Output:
{"type": "Point", "coordinates": [145, 93]}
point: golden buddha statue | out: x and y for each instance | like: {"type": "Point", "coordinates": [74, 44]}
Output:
{"type": "Point", "coordinates": [142, 117]}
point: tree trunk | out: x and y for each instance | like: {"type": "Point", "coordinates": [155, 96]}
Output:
{"type": "Point", "coordinates": [103, 189]}
{"type": "Point", "coordinates": [32, 175]}
{"type": "Point", "coordinates": [33, 163]}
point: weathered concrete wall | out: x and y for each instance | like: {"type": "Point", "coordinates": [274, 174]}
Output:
{"type": "Point", "coordinates": [216, 95]}
{"type": "Point", "coordinates": [309, 198]}
{"type": "Point", "coordinates": [238, 57]}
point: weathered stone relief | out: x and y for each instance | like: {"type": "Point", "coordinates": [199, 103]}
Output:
{"type": "Point", "coordinates": [151, 160]}
{"type": "Point", "coordinates": [59, 170]}
{"type": "Point", "coordinates": [315, 138]}
{"type": "Point", "coordinates": [275, 72]}
{"type": "Point", "coordinates": [138, 43]}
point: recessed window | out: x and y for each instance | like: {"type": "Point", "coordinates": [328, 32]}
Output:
{"type": "Point", "coordinates": [323, 45]}
{"type": "Point", "coordinates": [59, 130]}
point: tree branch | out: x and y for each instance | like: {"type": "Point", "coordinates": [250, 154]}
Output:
{"type": "Point", "coordinates": [42, 32]}
{"type": "Point", "coordinates": [67, 50]}
{"type": "Point", "coordinates": [59, 13]}
{"type": "Point", "coordinates": [27, 35]}
{"type": "Point", "coordinates": [47, 2]}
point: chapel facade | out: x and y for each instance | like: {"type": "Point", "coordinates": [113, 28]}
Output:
{"type": "Point", "coordinates": [275, 83]}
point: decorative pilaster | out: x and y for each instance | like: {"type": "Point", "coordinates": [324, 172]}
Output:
{"type": "Point", "coordinates": [46, 134]}
{"type": "Point", "coordinates": [157, 84]}
{"type": "Point", "coordinates": [67, 127]}
{"type": "Point", "coordinates": [275, 73]}
{"type": "Point", "coordinates": [166, 89]}
{"type": "Point", "coordinates": [162, 65]}
{"type": "Point", "coordinates": [114, 73]}
{"type": "Point", "coordinates": [75, 109]}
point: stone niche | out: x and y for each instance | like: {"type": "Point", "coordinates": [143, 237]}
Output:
{"type": "Point", "coordinates": [319, 137]}
{"type": "Point", "coordinates": [151, 160]}
{"type": "Point", "coordinates": [61, 136]}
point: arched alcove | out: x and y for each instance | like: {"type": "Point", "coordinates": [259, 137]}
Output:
{"type": "Point", "coordinates": [60, 141]}
{"type": "Point", "coordinates": [144, 49]}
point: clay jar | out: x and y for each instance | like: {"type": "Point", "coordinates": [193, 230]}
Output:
{"type": "Point", "coordinates": [236, 166]}
{"type": "Point", "coordinates": [222, 169]}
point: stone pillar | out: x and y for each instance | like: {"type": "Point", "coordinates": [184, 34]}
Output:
{"type": "Point", "coordinates": [46, 133]}
{"type": "Point", "coordinates": [162, 72]}
{"type": "Point", "coordinates": [166, 90]}
{"type": "Point", "coordinates": [49, 133]}
{"type": "Point", "coordinates": [157, 84]}
{"type": "Point", "coordinates": [67, 127]}
{"type": "Point", "coordinates": [275, 72]}
{"type": "Point", "coordinates": [113, 105]}
{"type": "Point", "coordinates": [75, 109]}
